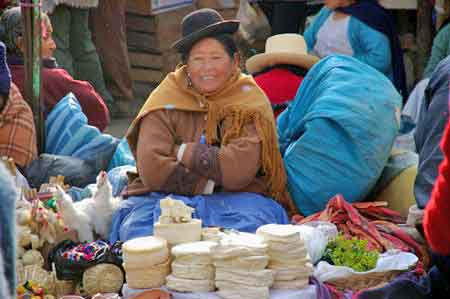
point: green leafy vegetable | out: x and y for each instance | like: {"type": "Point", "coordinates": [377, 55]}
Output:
{"type": "Point", "coordinates": [352, 253]}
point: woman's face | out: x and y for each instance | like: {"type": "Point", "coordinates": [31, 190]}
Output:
{"type": "Point", "coordinates": [333, 4]}
{"type": "Point", "coordinates": [48, 45]}
{"type": "Point", "coordinates": [209, 66]}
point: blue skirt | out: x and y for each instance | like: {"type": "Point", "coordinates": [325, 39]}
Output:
{"type": "Point", "coordinates": [241, 211]}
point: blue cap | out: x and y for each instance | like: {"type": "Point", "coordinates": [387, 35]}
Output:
{"type": "Point", "coordinates": [5, 74]}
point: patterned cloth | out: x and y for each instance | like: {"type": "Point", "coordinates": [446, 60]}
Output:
{"type": "Point", "coordinates": [17, 131]}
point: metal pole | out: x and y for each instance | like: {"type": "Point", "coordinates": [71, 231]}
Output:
{"type": "Point", "coordinates": [31, 12]}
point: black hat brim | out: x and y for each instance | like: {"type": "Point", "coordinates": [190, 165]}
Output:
{"type": "Point", "coordinates": [229, 26]}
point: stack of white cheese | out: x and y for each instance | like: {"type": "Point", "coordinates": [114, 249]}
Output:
{"type": "Point", "coordinates": [288, 256]}
{"type": "Point", "coordinates": [176, 224]}
{"type": "Point", "coordinates": [241, 260]}
{"type": "Point", "coordinates": [146, 262]}
{"type": "Point", "coordinates": [192, 268]}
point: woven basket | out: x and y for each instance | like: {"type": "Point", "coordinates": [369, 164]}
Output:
{"type": "Point", "coordinates": [364, 281]}
{"type": "Point", "coordinates": [103, 278]}
{"type": "Point", "coordinates": [64, 287]}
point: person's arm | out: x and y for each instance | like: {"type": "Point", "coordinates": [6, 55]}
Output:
{"type": "Point", "coordinates": [90, 101]}
{"type": "Point", "coordinates": [375, 46]}
{"type": "Point", "coordinates": [437, 212]}
{"type": "Point", "coordinates": [157, 158]}
{"type": "Point", "coordinates": [232, 166]}
{"type": "Point", "coordinates": [439, 51]}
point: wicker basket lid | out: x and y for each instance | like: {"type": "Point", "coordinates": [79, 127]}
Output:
{"type": "Point", "coordinates": [103, 278]}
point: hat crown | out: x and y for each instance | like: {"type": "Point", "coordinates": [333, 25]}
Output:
{"type": "Point", "coordinates": [286, 43]}
{"type": "Point", "coordinates": [199, 20]}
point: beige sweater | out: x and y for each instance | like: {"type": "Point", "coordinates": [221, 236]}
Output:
{"type": "Point", "coordinates": [233, 167]}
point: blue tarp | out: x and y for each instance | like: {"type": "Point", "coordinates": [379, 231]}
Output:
{"type": "Point", "coordinates": [122, 156]}
{"type": "Point", "coordinates": [241, 211]}
{"type": "Point", "coordinates": [68, 134]}
{"type": "Point", "coordinates": [337, 134]}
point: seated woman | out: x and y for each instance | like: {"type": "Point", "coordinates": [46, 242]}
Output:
{"type": "Point", "coordinates": [433, 117]}
{"type": "Point", "coordinates": [440, 50]}
{"type": "Point", "coordinates": [362, 29]}
{"type": "Point", "coordinates": [281, 69]}
{"type": "Point", "coordinates": [17, 131]}
{"type": "Point", "coordinates": [206, 136]}
{"type": "Point", "coordinates": [56, 82]}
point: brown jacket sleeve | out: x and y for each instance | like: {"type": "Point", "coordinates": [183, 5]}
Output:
{"type": "Point", "coordinates": [233, 166]}
{"type": "Point", "coordinates": [156, 158]}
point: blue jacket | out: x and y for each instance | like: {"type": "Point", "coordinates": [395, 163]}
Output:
{"type": "Point", "coordinates": [369, 45]}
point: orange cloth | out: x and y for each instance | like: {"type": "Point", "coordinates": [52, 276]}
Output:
{"type": "Point", "coordinates": [17, 131]}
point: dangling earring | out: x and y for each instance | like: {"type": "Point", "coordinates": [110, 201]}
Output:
{"type": "Point", "coordinates": [189, 80]}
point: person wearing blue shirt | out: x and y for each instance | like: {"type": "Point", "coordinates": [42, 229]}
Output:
{"type": "Point", "coordinates": [362, 29]}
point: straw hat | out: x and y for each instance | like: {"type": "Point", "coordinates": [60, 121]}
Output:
{"type": "Point", "coordinates": [203, 23]}
{"type": "Point", "coordinates": [285, 48]}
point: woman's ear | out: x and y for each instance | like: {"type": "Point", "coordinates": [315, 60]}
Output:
{"type": "Point", "coordinates": [236, 59]}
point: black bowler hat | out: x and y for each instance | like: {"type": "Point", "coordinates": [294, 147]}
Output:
{"type": "Point", "coordinates": [202, 23]}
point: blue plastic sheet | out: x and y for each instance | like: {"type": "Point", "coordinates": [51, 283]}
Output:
{"type": "Point", "coordinates": [241, 211]}
{"type": "Point", "coordinates": [122, 156]}
{"type": "Point", "coordinates": [336, 136]}
{"type": "Point", "coordinates": [68, 134]}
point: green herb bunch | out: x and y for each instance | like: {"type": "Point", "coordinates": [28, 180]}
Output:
{"type": "Point", "coordinates": [352, 253]}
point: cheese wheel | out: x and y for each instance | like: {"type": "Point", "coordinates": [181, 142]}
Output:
{"type": "Point", "coordinates": [189, 285]}
{"type": "Point", "coordinates": [281, 246]}
{"type": "Point", "coordinates": [293, 273]}
{"type": "Point", "coordinates": [193, 271]}
{"type": "Point", "coordinates": [194, 248]}
{"type": "Point", "coordinates": [239, 245]}
{"type": "Point", "coordinates": [146, 278]}
{"type": "Point", "coordinates": [293, 254]}
{"type": "Point", "coordinates": [178, 233]}
{"type": "Point", "coordinates": [249, 263]}
{"type": "Point", "coordinates": [292, 284]}
{"type": "Point", "coordinates": [145, 252]}
{"type": "Point", "coordinates": [279, 233]}
{"type": "Point", "coordinates": [261, 278]}
{"type": "Point", "coordinates": [281, 264]}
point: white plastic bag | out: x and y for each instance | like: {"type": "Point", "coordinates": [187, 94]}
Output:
{"type": "Point", "coordinates": [388, 261]}
{"type": "Point", "coordinates": [315, 241]}
{"type": "Point", "coordinates": [254, 24]}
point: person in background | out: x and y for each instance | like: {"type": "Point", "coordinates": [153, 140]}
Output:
{"type": "Point", "coordinates": [206, 136]}
{"type": "Point", "coordinates": [362, 29]}
{"type": "Point", "coordinates": [109, 35]}
{"type": "Point", "coordinates": [433, 117]}
{"type": "Point", "coordinates": [56, 82]}
{"type": "Point", "coordinates": [281, 69]}
{"type": "Point", "coordinates": [75, 52]}
{"type": "Point", "coordinates": [439, 51]}
{"type": "Point", "coordinates": [17, 131]}
{"type": "Point", "coordinates": [285, 16]}
{"type": "Point", "coordinates": [8, 197]}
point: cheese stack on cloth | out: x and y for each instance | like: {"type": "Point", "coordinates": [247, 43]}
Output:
{"type": "Point", "coordinates": [241, 260]}
{"type": "Point", "coordinates": [146, 262]}
{"type": "Point", "coordinates": [192, 268]}
{"type": "Point", "coordinates": [288, 256]}
{"type": "Point", "coordinates": [175, 223]}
